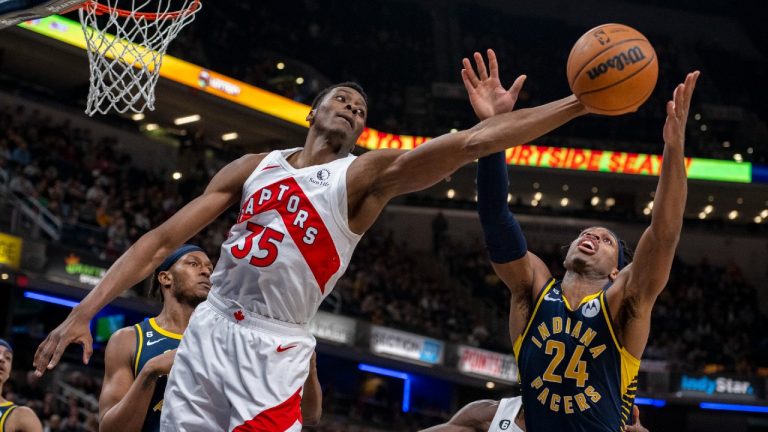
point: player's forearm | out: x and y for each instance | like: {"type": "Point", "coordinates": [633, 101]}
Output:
{"type": "Point", "coordinates": [138, 262]}
{"type": "Point", "coordinates": [312, 401]}
{"type": "Point", "coordinates": [129, 414]}
{"type": "Point", "coordinates": [671, 194]}
{"type": "Point", "coordinates": [521, 126]}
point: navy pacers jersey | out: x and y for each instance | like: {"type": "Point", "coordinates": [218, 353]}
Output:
{"type": "Point", "coordinates": [151, 341]}
{"type": "Point", "coordinates": [574, 374]}
{"type": "Point", "coordinates": [5, 410]}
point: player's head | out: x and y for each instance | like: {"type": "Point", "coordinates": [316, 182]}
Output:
{"type": "Point", "coordinates": [6, 361]}
{"type": "Point", "coordinates": [340, 111]}
{"type": "Point", "coordinates": [598, 250]}
{"type": "Point", "coordinates": [184, 276]}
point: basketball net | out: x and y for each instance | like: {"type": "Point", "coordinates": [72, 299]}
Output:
{"type": "Point", "coordinates": [126, 49]}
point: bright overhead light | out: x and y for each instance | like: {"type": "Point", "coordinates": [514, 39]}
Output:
{"type": "Point", "coordinates": [702, 215]}
{"type": "Point", "coordinates": [188, 119]}
{"type": "Point", "coordinates": [703, 128]}
{"type": "Point", "coordinates": [137, 117]}
{"type": "Point", "coordinates": [509, 197]}
{"type": "Point", "coordinates": [564, 202]}
{"type": "Point", "coordinates": [646, 211]}
{"type": "Point", "coordinates": [595, 201]}
{"type": "Point", "coordinates": [737, 157]}
{"type": "Point", "coordinates": [453, 130]}
{"type": "Point", "coordinates": [708, 209]}
{"type": "Point", "coordinates": [764, 214]}
{"type": "Point", "coordinates": [490, 385]}
{"type": "Point", "coordinates": [726, 144]}
{"type": "Point", "coordinates": [610, 202]}
{"type": "Point", "coordinates": [280, 65]}
{"type": "Point", "coordinates": [758, 219]}
{"type": "Point", "coordinates": [176, 175]}
{"type": "Point", "coordinates": [537, 196]}
{"type": "Point", "coordinates": [534, 203]}
{"type": "Point", "coordinates": [450, 194]}
{"type": "Point", "coordinates": [152, 127]}
{"type": "Point", "coordinates": [650, 205]}
{"type": "Point", "coordinates": [697, 116]}
{"type": "Point", "coordinates": [230, 136]}
{"type": "Point", "coordinates": [300, 80]}
{"type": "Point", "coordinates": [733, 215]}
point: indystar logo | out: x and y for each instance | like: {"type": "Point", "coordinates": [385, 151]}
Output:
{"type": "Point", "coordinates": [86, 273]}
{"type": "Point", "coordinates": [720, 385]}
{"type": "Point", "coordinates": [618, 62]}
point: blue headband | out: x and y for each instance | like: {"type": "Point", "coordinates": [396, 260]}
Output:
{"type": "Point", "coordinates": [178, 253]}
{"type": "Point", "coordinates": [5, 343]}
{"type": "Point", "coordinates": [622, 262]}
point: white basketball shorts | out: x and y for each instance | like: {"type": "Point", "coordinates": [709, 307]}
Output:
{"type": "Point", "coordinates": [237, 371]}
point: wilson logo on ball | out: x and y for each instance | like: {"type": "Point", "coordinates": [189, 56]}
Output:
{"type": "Point", "coordinates": [618, 62]}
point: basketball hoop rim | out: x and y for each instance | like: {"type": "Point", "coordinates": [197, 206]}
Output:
{"type": "Point", "coordinates": [102, 9]}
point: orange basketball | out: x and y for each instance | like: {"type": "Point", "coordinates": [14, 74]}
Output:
{"type": "Point", "coordinates": [612, 69]}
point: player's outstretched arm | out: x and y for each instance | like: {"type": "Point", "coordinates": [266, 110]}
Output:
{"type": "Point", "coordinates": [378, 176]}
{"type": "Point", "coordinates": [649, 271]}
{"type": "Point", "coordinates": [312, 399]}
{"type": "Point", "coordinates": [143, 257]}
{"type": "Point", "coordinates": [522, 271]}
{"type": "Point", "coordinates": [656, 248]}
{"type": "Point", "coordinates": [124, 400]}
{"type": "Point", "coordinates": [474, 416]}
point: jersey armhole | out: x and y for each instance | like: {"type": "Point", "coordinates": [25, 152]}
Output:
{"type": "Point", "coordinates": [537, 302]}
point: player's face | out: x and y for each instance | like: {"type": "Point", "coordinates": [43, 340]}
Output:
{"type": "Point", "coordinates": [341, 113]}
{"type": "Point", "coordinates": [596, 248]}
{"type": "Point", "coordinates": [6, 362]}
{"type": "Point", "coordinates": [192, 278]}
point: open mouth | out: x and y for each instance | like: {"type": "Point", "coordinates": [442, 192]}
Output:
{"type": "Point", "coordinates": [588, 246]}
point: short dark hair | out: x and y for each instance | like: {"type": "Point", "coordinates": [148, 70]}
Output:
{"type": "Point", "coordinates": [351, 84]}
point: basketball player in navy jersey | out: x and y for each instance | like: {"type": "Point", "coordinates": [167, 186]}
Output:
{"type": "Point", "coordinates": [13, 418]}
{"type": "Point", "coordinates": [139, 358]}
{"type": "Point", "coordinates": [578, 341]}
{"type": "Point", "coordinates": [246, 352]}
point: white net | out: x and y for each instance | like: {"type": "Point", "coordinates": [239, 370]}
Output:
{"type": "Point", "coordinates": [126, 48]}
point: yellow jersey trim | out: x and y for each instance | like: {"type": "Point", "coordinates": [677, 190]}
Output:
{"type": "Point", "coordinates": [6, 414]}
{"type": "Point", "coordinates": [519, 340]}
{"type": "Point", "coordinates": [5, 404]}
{"type": "Point", "coordinates": [140, 332]}
{"type": "Point", "coordinates": [630, 365]}
{"type": "Point", "coordinates": [163, 331]}
{"type": "Point", "coordinates": [584, 300]}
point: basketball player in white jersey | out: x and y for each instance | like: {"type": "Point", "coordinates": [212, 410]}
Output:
{"type": "Point", "coordinates": [505, 415]}
{"type": "Point", "coordinates": [245, 355]}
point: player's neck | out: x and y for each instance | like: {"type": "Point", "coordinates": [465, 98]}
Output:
{"type": "Point", "coordinates": [319, 148]}
{"type": "Point", "coordinates": [174, 318]}
{"type": "Point", "coordinates": [585, 283]}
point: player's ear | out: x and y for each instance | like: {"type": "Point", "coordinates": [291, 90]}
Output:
{"type": "Point", "coordinates": [165, 278]}
{"type": "Point", "coordinates": [614, 274]}
{"type": "Point", "coordinates": [311, 117]}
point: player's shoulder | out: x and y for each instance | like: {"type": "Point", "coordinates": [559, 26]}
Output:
{"type": "Point", "coordinates": [23, 418]}
{"type": "Point", "coordinates": [123, 341]}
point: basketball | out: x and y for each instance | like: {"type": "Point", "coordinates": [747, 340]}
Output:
{"type": "Point", "coordinates": [612, 69]}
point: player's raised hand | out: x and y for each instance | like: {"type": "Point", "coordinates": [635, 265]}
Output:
{"type": "Point", "coordinates": [75, 329]}
{"type": "Point", "coordinates": [484, 88]}
{"type": "Point", "coordinates": [677, 111]}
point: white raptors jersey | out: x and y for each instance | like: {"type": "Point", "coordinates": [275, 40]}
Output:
{"type": "Point", "coordinates": [291, 241]}
{"type": "Point", "coordinates": [506, 413]}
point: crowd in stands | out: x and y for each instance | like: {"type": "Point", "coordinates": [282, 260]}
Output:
{"type": "Point", "coordinates": [390, 49]}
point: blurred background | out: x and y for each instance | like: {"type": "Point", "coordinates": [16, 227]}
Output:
{"type": "Point", "coordinates": [418, 325]}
